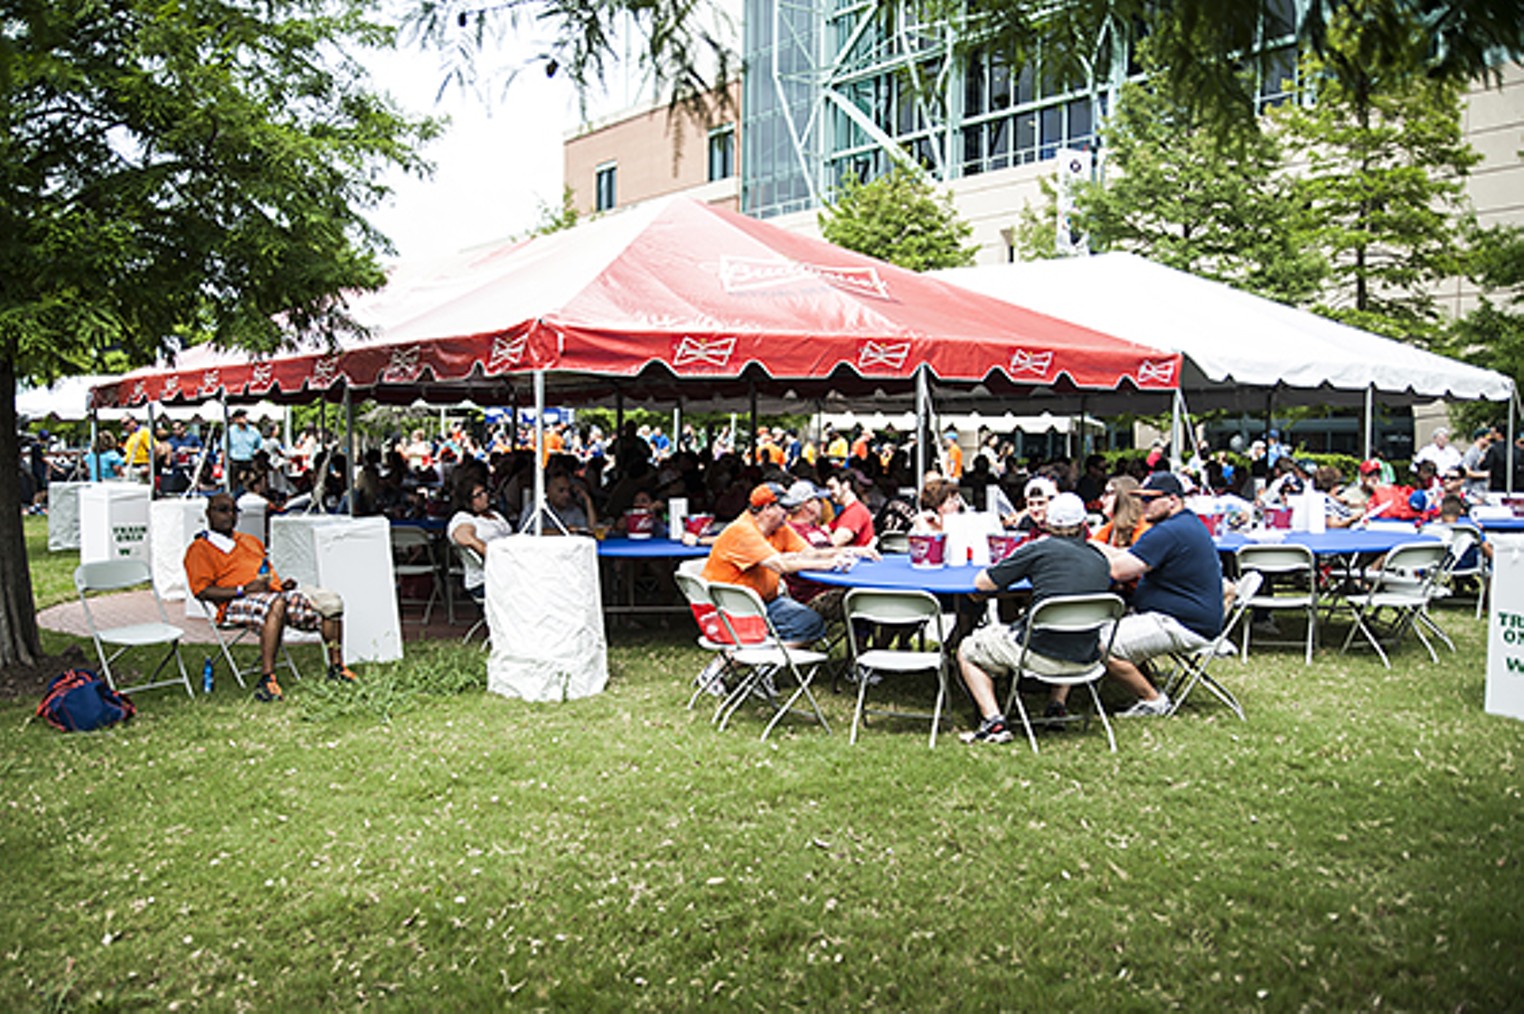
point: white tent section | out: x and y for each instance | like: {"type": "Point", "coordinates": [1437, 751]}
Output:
{"type": "Point", "coordinates": [1236, 344]}
{"type": "Point", "coordinates": [68, 399]}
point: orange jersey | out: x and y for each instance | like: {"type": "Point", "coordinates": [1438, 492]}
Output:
{"type": "Point", "coordinates": [206, 565]}
{"type": "Point", "coordinates": [737, 555]}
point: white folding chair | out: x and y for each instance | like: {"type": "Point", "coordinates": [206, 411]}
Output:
{"type": "Point", "coordinates": [1084, 615]}
{"type": "Point", "coordinates": [1401, 588]}
{"type": "Point", "coordinates": [229, 636]}
{"type": "Point", "coordinates": [1194, 667]}
{"type": "Point", "coordinates": [101, 577]}
{"type": "Point", "coordinates": [1464, 562]}
{"type": "Point", "coordinates": [711, 678]}
{"type": "Point", "coordinates": [478, 594]}
{"type": "Point", "coordinates": [412, 557]}
{"type": "Point", "coordinates": [894, 542]}
{"type": "Point", "coordinates": [760, 656]}
{"type": "Point", "coordinates": [1297, 570]}
{"type": "Point", "coordinates": [864, 610]}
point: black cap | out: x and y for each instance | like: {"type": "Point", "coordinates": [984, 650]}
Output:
{"type": "Point", "coordinates": [1163, 482]}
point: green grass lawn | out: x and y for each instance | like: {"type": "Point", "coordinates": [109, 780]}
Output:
{"type": "Point", "coordinates": [1356, 844]}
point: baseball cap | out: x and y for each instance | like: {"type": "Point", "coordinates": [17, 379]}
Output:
{"type": "Point", "coordinates": [1480, 431]}
{"type": "Point", "coordinates": [1369, 465]}
{"type": "Point", "coordinates": [1040, 484]}
{"type": "Point", "coordinates": [1163, 484]}
{"type": "Point", "coordinates": [800, 492]}
{"type": "Point", "coordinates": [1066, 511]}
{"type": "Point", "coordinates": [767, 493]}
{"type": "Point", "coordinates": [1307, 464]}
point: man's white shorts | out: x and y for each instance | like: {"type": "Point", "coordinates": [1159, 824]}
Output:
{"type": "Point", "coordinates": [1142, 636]}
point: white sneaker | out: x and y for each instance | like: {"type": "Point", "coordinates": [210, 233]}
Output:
{"type": "Point", "coordinates": [1158, 707]}
{"type": "Point", "coordinates": [709, 679]}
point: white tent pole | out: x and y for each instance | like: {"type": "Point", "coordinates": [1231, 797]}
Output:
{"type": "Point", "coordinates": [349, 449]}
{"type": "Point", "coordinates": [922, 421]}
{"type": "Point", "coordinates": [677, 426]}
{"type": "Point", "coordinates": [751, 396]}
{"type": "Point", "coordinates": [95, 436]}
{"type": "Point", "coordinates": [152, 447]}
{"type": "Point", "coordinates": [1513, 408]}
{"type": "Point", "coordinates": [539, 459]}
{"type": "Point", "coordinates": [1176, 432]}
{"type": "Point", "coordinates": [227, 449]}
{"type": "Point", "coordinates": [1370, 421]}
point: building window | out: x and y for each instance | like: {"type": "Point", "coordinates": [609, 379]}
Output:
{"type": "Point", "coordinates": [722, 153]}
{"type": "Point", "coordinates": [606, 195]}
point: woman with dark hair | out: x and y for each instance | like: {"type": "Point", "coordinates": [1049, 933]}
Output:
{"type": "Point", "coordinates": [473, 525]}
{"type": "Point", "coordinates": [939, 499]}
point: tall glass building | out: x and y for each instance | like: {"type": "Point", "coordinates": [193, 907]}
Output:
{"type": "Point", "coordinates": [834, 87]}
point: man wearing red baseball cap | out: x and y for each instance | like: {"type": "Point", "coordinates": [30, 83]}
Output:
{"type": "Point", "coordinates": [757, 549]}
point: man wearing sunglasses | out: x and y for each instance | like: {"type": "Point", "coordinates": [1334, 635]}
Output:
{"type": "Point", "coordinates": [229, 569]}
{"type": "Point", "coordinates": [1178, 602]}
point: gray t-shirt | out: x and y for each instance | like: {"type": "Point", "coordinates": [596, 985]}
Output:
{"type": "Point", "coordinates": [1058, 566]}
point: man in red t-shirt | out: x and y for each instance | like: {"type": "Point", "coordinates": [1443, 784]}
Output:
{"type": "Point", "coordinates": [757, 549]}
{"type": "Point", "coordinates": [853, 525]}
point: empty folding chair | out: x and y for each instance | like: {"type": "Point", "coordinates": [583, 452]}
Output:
{"type": "Point", "coordinates": [1465, 562]}
{"type": "Point", "coordinates": [1194, 667]}
{"type": "Point", "coordinates": [96, 579]}
{"type": "Point", "coordinates": [1291, 584]}
{"type": "Point", "coordinates": [413, 557]}
{"type": "Point", "coordinates": [712, 635]}
{"type": "Point", "coordinates": [1398, 599]}
{"type": "Point", "coordinates": [864, 610]}
{"type": "Point", "coordinates": [1086, 615]}
{"type": "Point", "coordinates": [761, 657]}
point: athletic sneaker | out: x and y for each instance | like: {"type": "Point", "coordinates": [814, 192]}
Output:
{"type": "Point", "coordinates": [991, 730]}
{"type": "Point", "coordinates": [1159, 706]}
{"type": "Point", "coordinates": [710, 679]}
{"type": "Point", "coordinates": [340, 673]}
{"type": "Point", "coordinates": [268, 690]}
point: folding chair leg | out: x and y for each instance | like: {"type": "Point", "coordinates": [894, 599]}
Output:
{"type": "Point", "coordinates": [1095, 698]}
{"type": "Point", "coordinates": [936, 711]}
{"type": "Point", "coordinates": [1360, 626]}
{"type": "Point", "coordinates": [803, 690]}
{"type": "Point", "coordinates": [1021, 711]}
{"type": "Point", "coordinates": [862, 694]}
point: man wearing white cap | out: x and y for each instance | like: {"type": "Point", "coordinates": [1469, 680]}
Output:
{"type": "Point", "coordinates": [1064, 562]}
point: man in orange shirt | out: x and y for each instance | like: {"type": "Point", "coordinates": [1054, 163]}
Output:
{"type": "Point", "coordinates": [228, 568]}
{"type": "Point", "coordinates": [757, 549]}
{"type": "Point", "coordinates": [953, 456]}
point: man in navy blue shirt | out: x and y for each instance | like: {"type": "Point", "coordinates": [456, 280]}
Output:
{"type": "Point", "coordinates": [1178, 603]}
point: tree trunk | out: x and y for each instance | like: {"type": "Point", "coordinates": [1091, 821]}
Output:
{"type": "Point", "coordinates": [18, 613]}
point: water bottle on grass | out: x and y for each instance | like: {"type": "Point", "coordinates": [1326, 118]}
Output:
{"type": "Point", "coordinates": [206, 675]}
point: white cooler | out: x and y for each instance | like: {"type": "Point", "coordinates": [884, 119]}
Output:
{"type": "Point", "coordinates": [171, 526]}
{"type": "Point", "coordinates": [113, 521]}
{"type": "Point", "coordinates": [545, 612]}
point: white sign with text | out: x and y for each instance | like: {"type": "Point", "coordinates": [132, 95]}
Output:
{"type": "Point", "coordinates": [1505, 629]}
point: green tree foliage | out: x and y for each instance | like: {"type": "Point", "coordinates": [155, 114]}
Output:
{"type": "Point", "coordinates": [1201, 43]}
{"type": "Point", "coordinates": [1381, 177]}
{"type": "Point", "coordinates": [1183, 193]}
{"type": "Point", "coordinates": [556, 218]}
{"type": "Point", "coordinates": [174, 172]}
{"type": "Point", "coordinates": [1492, 333]}
{"type": "Point", "coordinates": [900, 218]}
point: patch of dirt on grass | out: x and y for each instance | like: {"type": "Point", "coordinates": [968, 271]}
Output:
{"type": "Point", "coordinates": [29, 681]}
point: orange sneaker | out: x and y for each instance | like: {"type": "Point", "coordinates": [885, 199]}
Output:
{"type": "Point", "coordinates": [268, 690]}
{"type": "Point", "coordinates": [340, 673]}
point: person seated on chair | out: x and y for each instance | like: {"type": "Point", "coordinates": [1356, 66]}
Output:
{"type": "Point", "coordinates": [804, 518]}
{"type": "Point", "coordinates": [228, 569]}
{"type": "Point", "coordinates": [473, 525]}
{"type": "Point", "coordinates": [562, 509]}
{"type": "Point", "coordinates": [1178, 604]}
{"type": "Point", "coordinates": [1062, 562]}
{"type": "Point", "coordinates": [758, 548]}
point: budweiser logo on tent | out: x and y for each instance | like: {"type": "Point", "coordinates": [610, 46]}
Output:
{"type": "Point", "coordinates": [708, 351]}
{"type": "Point", "coordinates": [1037, 364]}
{"type": "Point", "coordinates": [403, 366]}
{"type": "Point", "coordinates": [263, 376]}
{"type": "Point", "coordinates": [211, 380]}
{"type": "Point", "coordinates": [1156, 373]}
{"type": "Point", "coordinates": [171, 385]}
{"type": "Point", "coordinates": [507, 352]}
{"type": "Point", "coordinates": [140, 391]}
{"type": "Point", "coordinates": [746, 274]}
{"type": "Point", "coordinates": [325, 370]}
{"type": "Point", "coordinates": [886, 354]}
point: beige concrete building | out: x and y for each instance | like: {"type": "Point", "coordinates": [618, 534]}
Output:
{"type": "Point", "coordinates": [653, 152]}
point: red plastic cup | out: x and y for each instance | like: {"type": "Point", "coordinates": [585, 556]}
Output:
{"type": "Point", "coordinates": [1278, 517]}
{"type": "Point", "coordinates": [1002, 546]}
{"type": "Point", "coordinates": [639, 523]}
{"type": "Point", "coordinates": [697, 524]}
{"type": "Point", "coordinates": [1213, 523]}
{"type": "Point", "coordinates": [928, 551]}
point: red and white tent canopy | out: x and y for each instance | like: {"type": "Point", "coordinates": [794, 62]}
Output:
{"type": "Point", "coordinates": [673, 297]}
